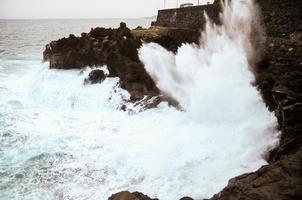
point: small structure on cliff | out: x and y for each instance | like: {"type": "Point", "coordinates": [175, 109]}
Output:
{"type": "Point", "coordinates": [185, 5]}
{"type": "Point", "coordinates": [191, 17]}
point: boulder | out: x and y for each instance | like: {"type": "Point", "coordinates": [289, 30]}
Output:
{"type": "Point", "coordinates": [125, 195]}
{"type": "Point", "coordinates": [186, 198]}
{"type": "Point", "coordinates": [95, 76]}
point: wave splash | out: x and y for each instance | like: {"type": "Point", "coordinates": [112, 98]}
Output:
{"type": "Point", "coordinates": [216, 70]}
{"type": "Point", "coordinates": [213, 82]}
{"type": "Point", "coordinates": [63, 140]}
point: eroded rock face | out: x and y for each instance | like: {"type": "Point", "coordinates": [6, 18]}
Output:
{"type": "Point", "coordinates": [170, 38]}
{"type": "Point", "coordinates": [115, 48]}
{"type": "Point", "coordinates": [118, 49]}
{"type": "Point", "coordinates": [279, 81]}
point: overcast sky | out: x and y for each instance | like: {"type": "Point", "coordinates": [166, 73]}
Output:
{"type": "Point", "coordinates": [29, 9]}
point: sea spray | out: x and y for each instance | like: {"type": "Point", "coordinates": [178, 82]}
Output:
{"type": "Point", "coordinates": [69, 141]}
{"type": "Point", "coordinates": [217, 67]}
{"type": "Point", "coordinates": [212, 81]}
{"type": "Point", "coordinates": [61, 139]}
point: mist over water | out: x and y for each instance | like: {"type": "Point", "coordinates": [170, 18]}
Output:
{"type": "Point", "coordinates": [217, 67]}
{"type": "Point", "coordinates": [60, 139]}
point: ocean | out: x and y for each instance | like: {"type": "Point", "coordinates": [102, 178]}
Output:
{"type": "Point", "coordinates": [61, 139]}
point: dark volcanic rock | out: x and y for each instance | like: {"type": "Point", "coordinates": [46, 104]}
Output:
{"type": "Point", "coordinates": [279, 79]}
{"type": "Point", "coordinates": [70, 53]}
{"type": "Point", "coordinates": [281, 18]}
{"type": "Point", "coordinates": [280, 82]}
{"type": "Point", "coordinates": [95, 76]}
{"type": "Point", "coordinates": [118, 49]}
{"type": "Point", "coordinates": [170, 38]}
{"type": "Point", "coordinates": [123, 31]}
{"type": "Point", "coordinates": [114, 47]}
{"type": "Point", "coordinates": [280, 180]}
{"type": "Point", "coordinates": [186, 198]}
{"type": "Point", "coordinates": [129, 196]}
{"type": "Point", "coordinates": [100, 32]}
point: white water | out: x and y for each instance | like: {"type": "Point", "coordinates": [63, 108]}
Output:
{"type": "Point", "coordinates": [60, 139]}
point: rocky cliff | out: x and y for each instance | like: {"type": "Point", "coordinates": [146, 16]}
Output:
{"type": "Point", "coordinates": [279, 78]}
{"type": "Point", "coordinates": [118, 50]}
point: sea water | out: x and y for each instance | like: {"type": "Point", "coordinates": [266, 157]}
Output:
{"type": "Point", "coordinates": [61, 139]}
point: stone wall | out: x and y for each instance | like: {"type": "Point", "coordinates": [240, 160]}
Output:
{"type": "Point", "coordinates": [190, 17]}
{"type": "Point", "coordinates": [280, 18]}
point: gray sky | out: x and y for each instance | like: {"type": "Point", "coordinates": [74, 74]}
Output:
{"type": "Point", "coordinates": [29, 9]}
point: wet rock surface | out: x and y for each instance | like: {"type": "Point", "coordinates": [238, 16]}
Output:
{"type": "Point", "coordinates": [280, 180]}
{"type": "Point", "coordinates": [279, 79]}
{"type": "Point", "coordinates": [129, 196]}
{"type": "Point", "coordinates": [118, 50]}
{"type": "Point", "coordinates": [95, 76]}
{"type": "Point", "coordinates": [115, 48]}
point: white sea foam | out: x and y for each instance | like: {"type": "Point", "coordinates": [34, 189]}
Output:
{"type": "Point", "coordinates": [61, 139]}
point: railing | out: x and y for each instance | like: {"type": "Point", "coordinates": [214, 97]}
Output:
{"type": "Point", "coordinates": [177, 3]}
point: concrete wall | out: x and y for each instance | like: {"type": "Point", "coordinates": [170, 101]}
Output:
{"type": "Point", "coordinates": [190, 17]}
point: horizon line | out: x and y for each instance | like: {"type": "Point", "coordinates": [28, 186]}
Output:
{"type": "Point", "coordinates": [78, 18]}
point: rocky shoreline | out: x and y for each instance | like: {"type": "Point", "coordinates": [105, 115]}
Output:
{"type": "Point", "coordinates": [278, 78]}
{"type": "Point", "coordinates": [118, 50]}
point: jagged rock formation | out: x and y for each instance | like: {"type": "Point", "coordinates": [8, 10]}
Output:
{"type": "Point", "coordinates": [118, 50]}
